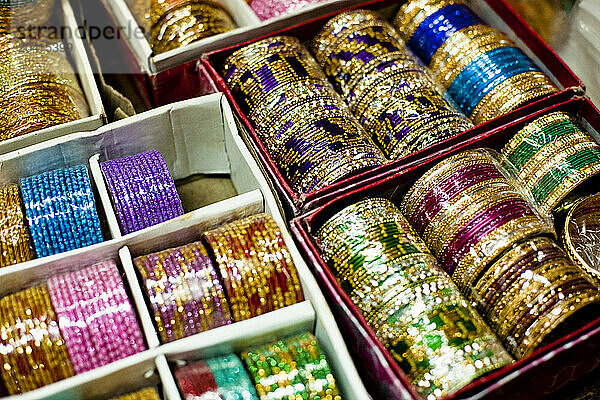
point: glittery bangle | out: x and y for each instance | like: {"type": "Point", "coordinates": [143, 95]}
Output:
{"type": "Point", "coordinates": [95, 316]}
{"type": "Point", "coordinates": [267, 9]}
{"type": "Point", "coordinates": [15, 241]}
{"type": "Point", "coordinates": [297, 364]}
{"type": "Point", "coordinates": [142, 191]}
{"type": "Point", "coordinates": [61, 210]}
{"type": "Point", "coordinates": [224, 377]}
{"type": "Point", "coordinates": [144, 394]}
{"type": "Point", "coordinates": [255, 283]}
{"type": "Point", "coordinates": [36, 355]}
{"type": "Point", "coordinates": [184, 291]}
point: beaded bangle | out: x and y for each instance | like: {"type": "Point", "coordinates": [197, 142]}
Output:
{"type": "Point", "coordinates": [396, 283]}
{"type": "Point", "coordinates": [142, 191]}
{"type": "Point", "coordinates": [184, 291]}
{"type": "Point", "coordinates": [256, 267]}
{"type": "Point", "coordinates": [35, 353]}
{"type": "Point", "coordinates": [95, 316]}
{"type": "Point", "coordinates": [144, 394]}
{"type": "Point", "coordinates": [224, 377]}
{"type": "Point", "coordinates": [295, 367]}
{"type": "Point", "coordinates": [61, 210]}
{"type": "Point", "coordinates": [15, 242]}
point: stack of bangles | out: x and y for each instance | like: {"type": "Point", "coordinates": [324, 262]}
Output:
{"type": "Point", "coordinates": [305, 126]}
{"type": "Point", "coordinates": [142, 191]}
{"type": "Point", "coordinates": [20, 13]}
{"type": "Point", "coordinates": [251, 274]}
{"type": "Point", "coordinates": [292, 368]}
{"type": "Point", "coordinates": [175, 23]}
{"type": "Point", "coordinates": [61, 211]}
{"type": "Point", "coordinates": [408, 300]}
{"type": "Point", "coordinates": [581, 235]}
{"type": "Point", "coordinates": [468, 213]}
{"type": "Point", "coordinates": [74, 323]}
{"type": "Point", "coordinates": [497, 249]}
{"type": "Point", "coordinates": [267, 9]}
{"type": "Point", "coordinates": [15, 241]}
{"type": "Point", "coordinates": [219, 378]}
{"type": "Point", "coordinates": [38, 87]}
{"type": "Point", "coordinates": [144, 394]}
{"type": "Point", "coordinates": [388, 90]}
{"type": "Point", "coordinates": [484, 71]}
{"type": "Point", "coordinates": [552, 156]}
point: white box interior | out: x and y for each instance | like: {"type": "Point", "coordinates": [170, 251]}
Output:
{"type": "Point", "coordinates": [83, 70]}
{"type": "Point", "coordinates": [208, 124]}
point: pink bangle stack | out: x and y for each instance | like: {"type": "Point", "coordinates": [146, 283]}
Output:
{"type": "Point", "coordinates": [96, 318]}
{"type": "Point", "coordinates": [266, 9]}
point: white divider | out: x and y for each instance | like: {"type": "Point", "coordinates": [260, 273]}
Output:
{"type": "Point", "coordinates": [179, 132]}
{"type": "Point", "coordinates": [83, 70]}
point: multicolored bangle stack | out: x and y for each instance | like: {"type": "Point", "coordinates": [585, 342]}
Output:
{"type": "Point", "coordinates": [581, 234]}
{"type": "Point", "coordinates": [15, 241]}
{"type": "Point", "coordinates": [468, 213]}
{"type": "Point", "coordinates": [253, 274]}
{"type": "Point", "coordinates": [95, 316]}
{"type": "Point", "coordinates": [184, 290]}
{"type": "Point", "coordinates": [220, 378]}
{"type": "Point", "coordinates": [144, 394]}
{"type": "Point", "coordinates": [267, 9]}
{"type": "Point", "coordinates": [61, 211]}
{"type": "Point", "coordinates": [175, 23]}
{"type": "Point", "coordinates": [292, 368]}
{"type": "Point", "coordinates": [76, 322]}
{"type": "Point", "coordinates": [486, 74]}
{"type": "Point", "coordinates": [34, 352]}
{"type": "Point", "coordinates": [552, 156]}
{"type": "Point", "coordinates": [531, 290]}
{"type": "Point", "coordinates": [304, 125]}
{"type": "Point", "coordinates": [410, 302]}
{"type": "Point", "coordinates": [38, 87]}
{"type": "Point", "coordinates": [388, 90]}
{"type": "Point", "coordinates": [142, 191]}
{"type": "Point", "coordinates": [256, 267]}
{"type": "Point", "coordinates": [15, 14]}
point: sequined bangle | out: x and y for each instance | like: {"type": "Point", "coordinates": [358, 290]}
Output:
{"type": "Point", "coordinates": [184, 291]}
{"type": "Point", "coordinates": [397, 285]}
{"type": "Point", "coordinates": [224, 377]}
{"type": "Point", "coordinates": [142, 191]}
{"type": "Point", "coordinates": [394, 107]}
{"type": "Point", "coordinates": [297, 364]}
{"type": "Point", "coordinates": [314, 140]}
{"type": "Point", "coordinates": [484, 71]}
{"type": "Point", "coordinates": [256, 267]}
{"type": "Point", "coordinates": [15, 241]}
{"type": "Point", "coordinates": [61, 211]}
{"type": "Point", "coordinates": [95, 317]}
{"type": "Point", "coordinates": [35, 354]}
{"type": "Point", "coordinates": [144, 394]}
{"type": "Point", "coordinates": [552, 156]}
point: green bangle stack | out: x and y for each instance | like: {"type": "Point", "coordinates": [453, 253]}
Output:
{"type": "Point", "coordinates": [551, 157]}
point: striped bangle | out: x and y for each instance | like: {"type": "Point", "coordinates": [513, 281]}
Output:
{"type": "Point", "coordinates": [96, 318]}
{"type": "Point", "coordinates": [223, 377]}
{"type": "Point", "coordinates": [15, 242]}
{"type": "Point", "coordinates": [142, 191]}
{"type": "Point", "coordinates": [61, 210]}
{"type": "Point", "coordinates": [35, 354]}
{"type": "Point", "coordinates": [184, 291]}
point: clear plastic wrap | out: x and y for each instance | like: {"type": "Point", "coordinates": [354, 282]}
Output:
{"type": "Point", "coordinates": [581, 235]}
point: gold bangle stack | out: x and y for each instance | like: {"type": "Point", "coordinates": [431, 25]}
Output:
{"type": "Point", "coordinates": [144, 394]}
{"type": "Point", "coordinates": [18, 14]}
{"type": "Point", "coordinates": [15, 241]}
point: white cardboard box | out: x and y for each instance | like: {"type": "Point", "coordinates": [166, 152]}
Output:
{"type": "Point", "coordinates": [83, 69]}
{"type": "Point", "coordinates": [195, 136]}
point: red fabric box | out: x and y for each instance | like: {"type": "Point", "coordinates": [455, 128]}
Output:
{"type": "Point", "coordinates": [496, 13]}
{"type": "Point", "coordinates": [533, 377]}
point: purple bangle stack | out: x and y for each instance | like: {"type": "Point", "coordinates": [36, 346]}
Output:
{"type": "Point", "coordinates": [95, 316]}
{"type": "Point", "coordinates": [468, 213]}
{"type": "Point", "coordinates": [184, 290]}
{"type": "Point", "coordinates": [142, 191]}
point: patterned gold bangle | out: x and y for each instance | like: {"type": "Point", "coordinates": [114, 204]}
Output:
{"type": "Point", "coordinates": [15, 241]}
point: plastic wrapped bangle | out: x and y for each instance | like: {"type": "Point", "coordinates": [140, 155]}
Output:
{"type": "Point", "coordinates": [95, 316]}
{"type": "Point", "coordinates": [61, 211]}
